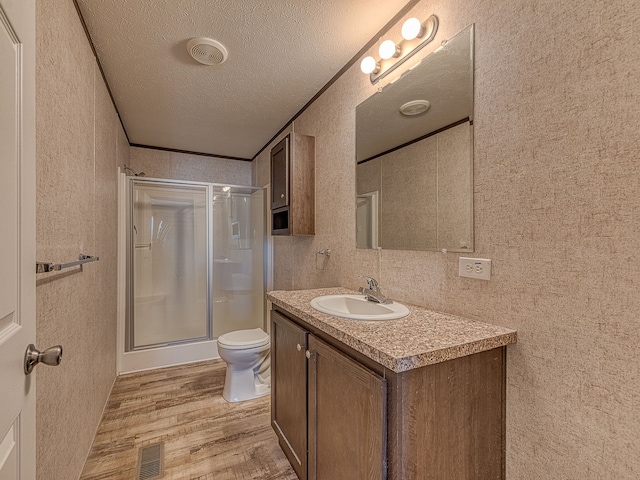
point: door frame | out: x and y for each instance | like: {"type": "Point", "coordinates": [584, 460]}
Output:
{"type": "Point", "coordinates": [18, 18]}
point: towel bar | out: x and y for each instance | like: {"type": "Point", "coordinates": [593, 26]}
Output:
{"type": "Point", "coordinates": [45, 267]}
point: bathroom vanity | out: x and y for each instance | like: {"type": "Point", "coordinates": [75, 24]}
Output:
{"type": "Point", "coordinates": [422, 397]}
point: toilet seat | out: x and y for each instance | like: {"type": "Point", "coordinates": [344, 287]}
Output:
{"type": "Point", "coordinates": [244, 339]}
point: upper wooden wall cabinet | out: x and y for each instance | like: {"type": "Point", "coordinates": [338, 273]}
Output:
{"type": "Point", "coordinates": [293, 185]}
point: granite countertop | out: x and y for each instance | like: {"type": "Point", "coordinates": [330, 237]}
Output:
{"type": "Point", "coordinates": [422, 338]}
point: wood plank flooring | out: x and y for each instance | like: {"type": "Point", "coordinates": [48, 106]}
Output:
{"type": "Point", "coordinates": [205, 437]}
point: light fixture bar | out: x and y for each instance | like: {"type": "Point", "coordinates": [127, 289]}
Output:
{"type": "Point", "coordinates": [385, 67]}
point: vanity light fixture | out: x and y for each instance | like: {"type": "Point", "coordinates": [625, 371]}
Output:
{"type": "Point", "coordinates": [415, 36]}
{"type": "Point", "coordinates": [412, 28]}
{"type": "Point", "coordinates": [389, 49]}
{"type": "Point", "coordinates": [369, 65]}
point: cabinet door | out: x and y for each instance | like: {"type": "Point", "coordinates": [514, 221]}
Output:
{"type": "Point", "coordinates": [280, 174]}
{"type": "Point", "coordinates": [289, 390]}
{"type": "Point", "coordinates": [347, 417]}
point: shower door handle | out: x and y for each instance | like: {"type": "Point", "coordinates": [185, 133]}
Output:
{"type": "Point", "coordinates": [51, 356]}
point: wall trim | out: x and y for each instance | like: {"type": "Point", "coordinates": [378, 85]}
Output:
{"type": "Point", "coordinates": [189, 152]}
{"type": "Point", "coordinates": [416, 140]}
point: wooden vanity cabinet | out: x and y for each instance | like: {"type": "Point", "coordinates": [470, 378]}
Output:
{"type": "Point", "coordinates": [328, 411]}
{"type": "Point", "coordinates": [444, 421]}
{"type": "Point", "coordinates": [293, 185]}
{"type": "Point", "coordinates": [289, 390]}
{"type": "Point", "coordinates": [347, 417]}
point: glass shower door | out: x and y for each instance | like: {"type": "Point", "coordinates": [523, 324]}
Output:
{"type": "Point", "coordinates": [238, 258]}
{"type": "Point", "coordinates": [169, 258]}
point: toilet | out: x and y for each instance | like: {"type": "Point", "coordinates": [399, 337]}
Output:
{"type": "Point", "coordinates": [246, 353]}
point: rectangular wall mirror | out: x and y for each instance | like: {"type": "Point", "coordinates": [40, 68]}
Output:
{"type": "Point", "coordinates": [414, 154]}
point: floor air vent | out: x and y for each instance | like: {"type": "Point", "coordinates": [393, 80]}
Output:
{"type": "Point", "coordinates": [150, 462]}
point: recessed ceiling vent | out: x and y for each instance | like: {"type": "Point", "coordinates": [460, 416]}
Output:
{"type": "Point", "coordinates": [207, 51]}
{"type": "Point", "coordinates": [414, 107]}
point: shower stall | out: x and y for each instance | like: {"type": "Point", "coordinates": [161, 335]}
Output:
{"type": "Point", "coordinates": [195, 269]}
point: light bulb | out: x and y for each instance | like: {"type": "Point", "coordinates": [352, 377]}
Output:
{"type": "Point", "coordinates": [388, 49]}
{"type": "Point", "coordinates": [411, 29]}
{"type": "Point", "coordinates": [369, 65]}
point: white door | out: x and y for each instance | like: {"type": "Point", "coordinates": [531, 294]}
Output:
{"type": "Point", "coordinates": [17, 237]}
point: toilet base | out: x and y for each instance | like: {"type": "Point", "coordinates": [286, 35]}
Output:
{"type": "Point", "coordinates": [265, 390]}
{"type": "Point", "coordinates": [245, 384]}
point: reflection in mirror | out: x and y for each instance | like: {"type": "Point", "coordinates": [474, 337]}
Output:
{"type": "Point", "coordinates": [414, 152]}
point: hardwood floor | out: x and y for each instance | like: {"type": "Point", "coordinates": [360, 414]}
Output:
{"type": "Point", "coordinates": [205, 437]}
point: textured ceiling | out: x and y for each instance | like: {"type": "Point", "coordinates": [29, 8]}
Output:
{"type": "Point", "coordinates": [281, 53]}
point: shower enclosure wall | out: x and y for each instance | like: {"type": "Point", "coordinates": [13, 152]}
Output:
{"type": "Point", "coordinates": [195, 269]}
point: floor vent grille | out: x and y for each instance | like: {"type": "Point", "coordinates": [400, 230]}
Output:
{"type": "Point", "coordinates": [150, 462]}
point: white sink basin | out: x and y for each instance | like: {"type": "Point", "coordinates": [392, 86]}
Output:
{"type": "Point", "coordinates": [357, 307]}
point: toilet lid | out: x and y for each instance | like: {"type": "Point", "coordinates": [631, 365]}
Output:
{"type": "Point", "coordinates": [254, 337]}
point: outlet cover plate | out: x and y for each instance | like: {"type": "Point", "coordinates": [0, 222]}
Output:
{"type": "Point", "coordinates": [479, 268]}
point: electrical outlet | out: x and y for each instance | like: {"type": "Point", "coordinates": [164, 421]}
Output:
{"type": "Point", "coordinates": [479, 268]}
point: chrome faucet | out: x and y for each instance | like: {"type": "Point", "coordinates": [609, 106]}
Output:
{"type": "Point", "coordinates": [373, 292]}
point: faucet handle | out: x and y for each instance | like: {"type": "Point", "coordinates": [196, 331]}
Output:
{"type": "Point", "coordinates": [372, 282]}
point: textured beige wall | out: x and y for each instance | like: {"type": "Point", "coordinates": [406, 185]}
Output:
{"type": "Point", "coordinates": [425, 195]}
{"type": "Point", "coordinates": [557, 196]}
{"type": "Point", "coordinates": [123, 149]}
{"type": "Point", "coordinates": [78, 140]}
{"type": "Point", "coordinates": [194, 168]}
{"type": "Point", "coordinates": [455, 192]}
{"type": "Point", "coordinates": [409, 196]}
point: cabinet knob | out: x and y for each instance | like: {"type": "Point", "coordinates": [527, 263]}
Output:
{"type": "Point", "coordinates": [299, 347]}
{"type": "Point", "coordinates": [282, 195]}
{"type": "Point", "coordinates": [308, 354]}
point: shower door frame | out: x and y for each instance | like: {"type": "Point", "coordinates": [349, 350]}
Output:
{"type": "Point", "coordinates": [185, 351]}
{"type": "Point", "coordinates": [130, 317]}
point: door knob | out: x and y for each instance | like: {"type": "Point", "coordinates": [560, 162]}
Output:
{"type": "Point", "coordinates": [32, 357]}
